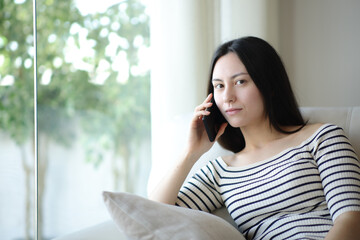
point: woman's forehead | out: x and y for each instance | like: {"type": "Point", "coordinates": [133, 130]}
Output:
{"type": "Point", "coordinates": [228, 65]}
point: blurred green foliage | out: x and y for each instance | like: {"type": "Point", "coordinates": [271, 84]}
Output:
{"type": "Point", "coordinates": [72, 52]}
{"type": "Point", "coordinates": [16, 99]}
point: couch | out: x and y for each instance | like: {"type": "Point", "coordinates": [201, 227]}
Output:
{"type": "Point", "coordinates": [346, 117]}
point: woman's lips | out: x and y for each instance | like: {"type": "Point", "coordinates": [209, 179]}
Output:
{"type": "Point", "coordinates": [233, 111]}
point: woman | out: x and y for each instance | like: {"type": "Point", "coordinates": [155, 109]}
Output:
{"type": "Point", "coordinates": [286, 179]}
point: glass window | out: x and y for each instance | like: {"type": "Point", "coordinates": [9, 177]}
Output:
{"type": "Point", "coordinates": [93, 112]}
{"type": "Point", "coordinates": [16, 120]}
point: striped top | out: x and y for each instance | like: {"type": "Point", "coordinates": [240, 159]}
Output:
{"type": "Point", "coordinates": [296, 194]}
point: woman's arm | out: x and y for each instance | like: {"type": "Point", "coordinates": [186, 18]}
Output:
{"type": "Point", "coordinates": [198, 143]}
{"type": "Point", "coordinates": [169, 187]}
{"type": "Point", "coordinates": [339, 169]}
{"type": "Point", "coordinates": [346, 227]}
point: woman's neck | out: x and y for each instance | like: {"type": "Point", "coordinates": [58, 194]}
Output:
{"type": "Point", "coordinates": [258, 136]}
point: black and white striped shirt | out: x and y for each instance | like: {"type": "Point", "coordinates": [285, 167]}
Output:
{"type": "Point", "coordinates": [297, 194]}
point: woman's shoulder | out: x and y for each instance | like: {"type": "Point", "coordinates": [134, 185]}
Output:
{"type": "Point", "coordinates": [310, 129]}
{"type": "Point", "coordinates": [305, 134]}
{"type": "Point", "coordinates": [314, 128]}
{"type": "Point", "coordinates": [321, 133]}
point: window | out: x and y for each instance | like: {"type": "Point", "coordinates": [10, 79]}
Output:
{"type": "Point", "coordinates": [93, 112]}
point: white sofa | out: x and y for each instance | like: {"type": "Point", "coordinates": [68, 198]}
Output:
{"type": "Point", "coordinates": [346, 117]}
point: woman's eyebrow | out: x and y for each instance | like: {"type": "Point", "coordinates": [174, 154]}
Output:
{"type": "Point", "coordinates": [217, 80]}
{"type": "Point", "coordinates": [232, 77]}
{"type": "Point", "coordinates": [239, 74]}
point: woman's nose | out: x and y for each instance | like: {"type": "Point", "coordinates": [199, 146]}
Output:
{"type": "Point", "coordinates": [229, 95]}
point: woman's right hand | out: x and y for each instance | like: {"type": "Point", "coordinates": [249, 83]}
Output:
{"type": "Point", "coordinates": [198, 142]}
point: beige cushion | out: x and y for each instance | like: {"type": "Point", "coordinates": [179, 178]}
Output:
{"type": "Point", "coordinates": [140, 218]}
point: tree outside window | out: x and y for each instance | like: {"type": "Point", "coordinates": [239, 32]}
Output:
{"type": "Point", "coordinates": [93, 92]}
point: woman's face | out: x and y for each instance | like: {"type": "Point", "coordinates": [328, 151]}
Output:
{"type": "Point", "coordinates": [235, 93]}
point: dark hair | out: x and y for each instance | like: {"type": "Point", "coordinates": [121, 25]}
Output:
{"type": "Point", "coordinates": [269, 75]}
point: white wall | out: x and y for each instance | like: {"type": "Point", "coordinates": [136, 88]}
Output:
{"type": "Point", "coordinates": [320, 44]}
{"type": "Point", "coordinates": [249, 17]}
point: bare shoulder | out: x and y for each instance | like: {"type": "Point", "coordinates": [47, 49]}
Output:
{"type": "Point", "coordinates": [298, 137]}
{"type": "Point", "coordinates": [309, 129]}
{"type": "Point", "coordinates": [312, 127]}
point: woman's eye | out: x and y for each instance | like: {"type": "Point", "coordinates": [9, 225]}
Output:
{"type": "Point", "coordinates": [218, 86]}
{"type": "Point", "coordinates": [240, 82]}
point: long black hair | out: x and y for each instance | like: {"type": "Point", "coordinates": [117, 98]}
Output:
{"type": "Point", "coordinates": [267, 71]}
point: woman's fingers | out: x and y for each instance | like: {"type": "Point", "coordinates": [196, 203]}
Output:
{"type": "Point", "coordinates": [207, 102]}
{"type": "Point", "coordinates": [208, 98]}
{"type": "Point", "coordinates": [201, 109]}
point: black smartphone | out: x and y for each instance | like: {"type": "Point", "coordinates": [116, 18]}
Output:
{"type": "Point", "coordinates": [213, 121]}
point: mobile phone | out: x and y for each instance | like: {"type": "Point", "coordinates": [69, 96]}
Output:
{"type": "Point", "coordinates": [213, 121]}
